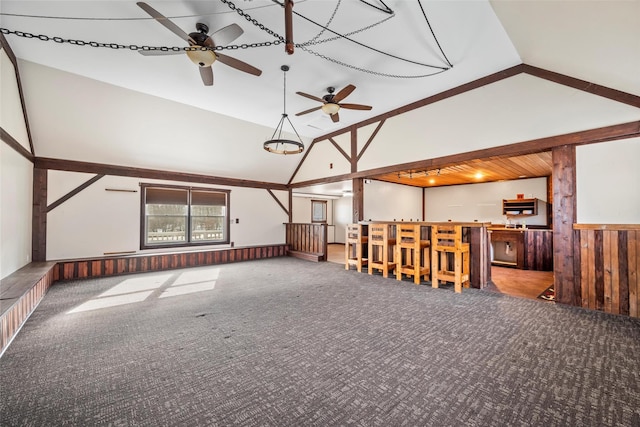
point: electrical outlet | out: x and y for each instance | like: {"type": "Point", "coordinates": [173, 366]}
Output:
{"type": "Point", "coordinates": [237, 220]}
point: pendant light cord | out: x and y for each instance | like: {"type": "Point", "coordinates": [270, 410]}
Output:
{"type": "Point", "coordinates": [284, 93]}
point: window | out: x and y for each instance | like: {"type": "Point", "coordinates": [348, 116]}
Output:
{"type": "Point", "coordinates": [318, 211]}
{"type": "Point", "coordinates": [183, 216]}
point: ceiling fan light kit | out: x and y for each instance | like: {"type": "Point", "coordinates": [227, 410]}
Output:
{"type": "Point", "coordinates": [202, 58]}
{"type": "Point", "coordinates": [330, 108]}
{"type": "Point", "coordinates": [277, 144]}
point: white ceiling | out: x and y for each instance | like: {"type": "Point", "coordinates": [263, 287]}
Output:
{"type": "Point", "coordinates": [591, 40]}
{"type": "Point", "coordinates": [468, 31]}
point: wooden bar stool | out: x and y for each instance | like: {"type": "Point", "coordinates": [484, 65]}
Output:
{"type": "Point", "coordinates": [382, 243]}
{"type": "Point", "coordinates": [356, 245]}
{"type": "Point", "coordinates": [412, 253]}
{"type": "Point", "coordinates": [449, 256]}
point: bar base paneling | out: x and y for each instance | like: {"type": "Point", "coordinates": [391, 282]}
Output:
{"type": "Point", "coordinates": [109, 266]}
{"type": "Point", "coordinates": [538, 250]}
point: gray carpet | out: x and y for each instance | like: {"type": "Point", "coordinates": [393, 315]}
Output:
{"type": "Point", "coordinates": [285, 342]}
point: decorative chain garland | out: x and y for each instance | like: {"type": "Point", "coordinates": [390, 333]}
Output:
{"type": "Point", "coordinates": [76, 42]}
{"type": "Point", "coordinates": [278, 40]}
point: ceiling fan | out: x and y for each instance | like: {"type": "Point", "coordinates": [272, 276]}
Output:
{"type": "Point", "coordinates": [331, 103]}
{"type": "Point", "coordinates": [202, 58]}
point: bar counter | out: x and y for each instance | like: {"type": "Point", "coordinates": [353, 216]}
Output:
{"type": "Point", "coordinates": [474, 233]}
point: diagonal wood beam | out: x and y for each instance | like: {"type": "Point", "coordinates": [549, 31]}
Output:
{"type": "Point", "coordinates": [278, 201]}
{"type": "Point", "coordinates": [335, 144]}
{"type": "Point", "coordinates": [73, 192]}
{"type": "Point", "coordinates": [373, 135]}
{"type": "Point", "coordinates": [11, 142]}
{"type": "Point", "coordinates": [301, 162]}
{"type": "Point", "coordinates": [592, 88]}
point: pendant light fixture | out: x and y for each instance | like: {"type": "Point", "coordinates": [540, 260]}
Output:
{"type": "Point", "coordinates": [277, 144]}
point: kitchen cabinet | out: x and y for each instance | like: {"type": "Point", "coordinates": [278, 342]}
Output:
{"type": "Point", "coordinates": [520, 207]}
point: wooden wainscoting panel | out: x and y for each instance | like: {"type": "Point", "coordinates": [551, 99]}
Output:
{"type": "Point", "coordinates": [633, 265]}
{"type": "Point", "coordinates": [609, 268]}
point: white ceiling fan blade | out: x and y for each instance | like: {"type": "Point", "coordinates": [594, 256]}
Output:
{"type": "Point", "coordinates": [207, 75]}
{"type": "Point", "coordinates": [166, 22]}
{"type": "Point", "coordinates": [226, 35]}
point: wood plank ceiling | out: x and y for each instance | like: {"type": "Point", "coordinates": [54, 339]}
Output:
{"type": "Point", "coordinates": [491, 169]}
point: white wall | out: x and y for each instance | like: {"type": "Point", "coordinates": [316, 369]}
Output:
{"type": "Point", "coordinates": [16, 177]}
{"type": "Point", "coordinates": [483, 201]}
{"type": "Point", "coordinates": [96, 221]}
{"type": "Point", "coordinates": [302, 209]}
{"type": "Point", "coordinates": [16, 195]}
{"type": "Point", "coordinates": [342, 215]}
{"type": "Point", "coordinates": [607, 181]}
{"type": "Point", "coordinates": [520, 108]}
{"type": "Point", "coordinates": [384, 201]}
{"type": "Point", "coordinates": [11, 117]}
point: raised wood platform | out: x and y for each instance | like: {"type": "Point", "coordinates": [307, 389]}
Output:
{"type": "Point", "coordinates": [20, 294]}
{"type": "Point", "coordinates": [141, 263]}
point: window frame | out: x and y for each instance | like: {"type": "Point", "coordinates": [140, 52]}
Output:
{"type": "Point", "coordinates": [188, 242]}
{"type": "Point", "coordinates": [323, 205]}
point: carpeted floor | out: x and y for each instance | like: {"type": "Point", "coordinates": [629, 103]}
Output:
{"type": "Point", "coordinates": [285, 342]}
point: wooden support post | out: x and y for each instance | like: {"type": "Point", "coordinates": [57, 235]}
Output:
{"type": "Point", "coordinates": [39, 218]}
{"type": "Point", "coordinates": [567, 285]}
{"type": "Point", "coordinates": [358, 199]}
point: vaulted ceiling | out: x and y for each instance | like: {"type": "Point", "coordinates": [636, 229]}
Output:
{"type": "Point", "coordinates": [85, 103]}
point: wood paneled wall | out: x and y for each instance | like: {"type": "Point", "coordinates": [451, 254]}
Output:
{"type": "Point", "coordinates": [608, 265]}
{"type": "Point", "coordinates": [109, 266]}
{"type": "Point", "coordinates": [538, 250]}
{"type": "Point", "coordinates": [308, 241]}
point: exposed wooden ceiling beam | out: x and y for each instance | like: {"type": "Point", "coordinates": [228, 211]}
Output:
{"type": "Point", "coordinates": [99, 168]}
{"type": "Point", "coordinates": [595, 89]}
{"type": "Point", "coordinates": [603, 134]}
{"type": "Point", "coordinates": [492, 78]}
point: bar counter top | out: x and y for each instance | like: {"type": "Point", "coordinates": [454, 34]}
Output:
{"type": "Point", "coordinates": [427, 223]}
